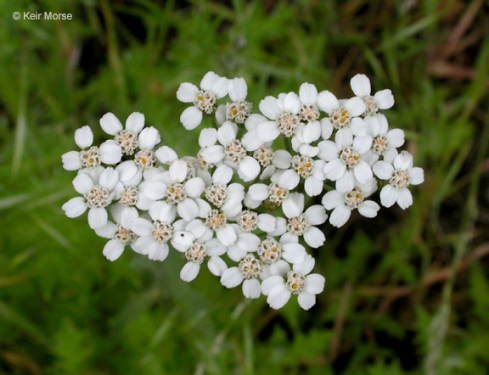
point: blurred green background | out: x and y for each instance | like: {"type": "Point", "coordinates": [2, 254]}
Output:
{"type": "Point", "coordinates": [406, 293]}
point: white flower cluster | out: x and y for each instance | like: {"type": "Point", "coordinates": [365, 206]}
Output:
{"type": "Point", "coordinates": [258, 191]}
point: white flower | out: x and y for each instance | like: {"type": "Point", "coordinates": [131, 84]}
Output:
{"type": "Point", "coordinates": [239, 110]}
{"type": "Point", "coordinates": [284, 113]}
{"type": "Point", "coordinates": [360, 85]}
{"type": "Point", "coordinates": [297, 281]}
{"type": "Point", "coordinates": [342, 117]}
{"type": "Point", "coordinates": [126, 138]}
{"type": "Point", "coordinates": [287, 248]}
{"type": "Point", "coordinates": [302, 223]}
{"type": "Point", "coordinates": [384, 141]}
{"type": "Point", "coordinates": [246, 272]}
{"type": "Point", "coordinates": [212, 87]}
{"type": "Point", "coordinates": [120, 233]}
{"type": "Point", "coordinates": [400, 174]}
{"type": "Point", "coordinates": [155, 234]}
{"type": "Point", "coordinates": [312, 171]}
{"type": "Point", "coordinates": [196, 242]}
{"type": "Point", "coordinates": [181, 191]}
{"type": "Point", "coordinates": [282, 182]}
{"type": "Point", "coordinates": [90, 156]}
{"type": "Point", "coordinates": [342, 204]}
{"type": "Point", "coordinates": [226, 197]}
{"type": "Point", "coordinates": [98, 188]}
{"type": "Point", "coordinates": [345, 162]}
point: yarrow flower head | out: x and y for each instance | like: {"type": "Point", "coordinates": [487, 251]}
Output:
{"type": "Point", "coordinates": [247, 204]}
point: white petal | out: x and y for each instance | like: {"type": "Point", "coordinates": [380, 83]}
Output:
{"type": "Point", "coordinates": [248, 169]}
{"type": "Point", "coordinates": [383, 170]}
{"type": "Point", "coordinates": [292, 103]}
{"type": "Point", "coordinates": [258, 192]}
{"type": "Point", "coordinates": [327, 102]}
{"type": "Point", "coordinates": [216, 266]}
{"type": "Point", "coordinates": [335, 169]}
{"type": "Point", "coordinates": [178, 170]}
{"type": "Point", "coordinates": [417, 176]}
{"type": "Point", "coordinates": [227, 235]}
{"type": "Point", "coordinates": [250, 141]}
{"type": "Point", "coordinates": [149, 138]}
{"type": "Point", "coordinates": [358, 127]}
{"type": "Point", "coordinates": [271, 282]}
{"type": "Point", "coordinates": [293, 205]}
{"type": "Point", "coordinates": [74, 207]}
{"type": "Point", "coordinates": [282, 159]}
{"type": "Point", "coordinates": [188, 209]}
{"type": "Point", "coordinates": [222, 175]}
{"type": "Point", "coordinates": [127, 170]}
{"type": "Point", "coordinates": [266, 222]}
{"type": "Point", "coordinates": [182, 239]}
{"type": "Point", "coordinates": [404, 198]}
{"type": "Point", "coordinates": [326, 128]}
{"type": "Point", "coordinates": [384, 99]}
{"type": "Point", "coordinates": [315, 283]}
{"type": "Point", "coordinates": [312, 132]}
{"type": "Point", "coordinates": [128, 215]}
{"type": "Point", "coordinates": [316, 214]}
{"type": "Point", "coordinates": [293, 253]}
{"type": "Point", "coordinates": [97, 217]}
{"type": "Point", "coordinates": [395, 138]}
{"type": "Point", "coordinates": [306, 300]}
{"type": "Point", "coordinates": [368, 209]}
{"type": "Point", "coordinates": [248, 242]}
{"type": "Point", "coordinates": [308, 93]}
{"type": "Point", "coordinates": [314, 237]}
{"type": "Point", "coordinates": [237, 89]}
{"type": "Point", "coordinates": [355, 106]}
{"type": "Point", "coordinates": [153, 189]}
{"type": "Point", "coordinates": [109, 178]}
{"type": "Point", "coordinates": [403, 161]}
{"type": "Point", "coordinates": [306, 266]}
{"type": "Point", "coordinates": [278, 297]}
{"type": "Point", "coordinates": [110, 124]}
{"type": "Point", "coordinates": [339, 216]}
{"type": "Point", "coordinates": [360, 85]}
{"type": "Point", "coordinates": [251, 288]}
{"type": "Point", "coordinates": [71, 161]}
{"type": "Point", "coordinates": [362, 144]}
{"type": "Point", "coordinates": [107, 231]}
{"type": "Point", "coordinates": [213, 154]}
{"type": "Point", "coordinates": [113, 250]}
{"type": "Point", "coordinates": [269, 107]}
{"type": "Point", "coordinates": [84, 137]}
{"type": "Point", "coordinates": [110, 152]}
{"type": "Point", "coordinates": [189, 271]}
{"type": "Point", "coordinates": [267, 131]}
{"type": "Point", "coordinates": [289, 179]}
{"type": "Point", "coordinates": [141, 227]}
{"type": "Point", "coordinates": [82, 183]}
{"type": "Point", "coordinates": [344, 138]}
{"type": "Point", "coordinates": [332, 199]}
{"type": "Point", "coordinates": [328, 150]}
{"type": "Point", "coordinates": [220, 87]}
{"type": "Point", "coordinates": [166, 154]}
{"type": "Point", "coordinates": [186, 92]}
{"type": "Point", "coordinates": [388, 196]}
{"type": "Point", "coordinates": [207, 137]}
{"type": "Point", "coordinates": [209, 79]}
{"type": "Point", "coordinates": [191, 117]}
{"type": "Point", "coordinates": [313, 186]}
{"type": "Point", "coordinates": [194, 187]}
{"type": "Point", "coordinates": [231, 278]}
{"type": "Point", "coordinates": [158, 251]}
{"type": "Point", "coordinates": [135, 122]}
{"type": "Point", "coordinates": [226, 133]}
{"type": "Point", "coordinates": [363, 172]}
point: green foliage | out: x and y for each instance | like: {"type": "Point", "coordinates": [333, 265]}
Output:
{"type": "Point", "coordinates": [64, 309]}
